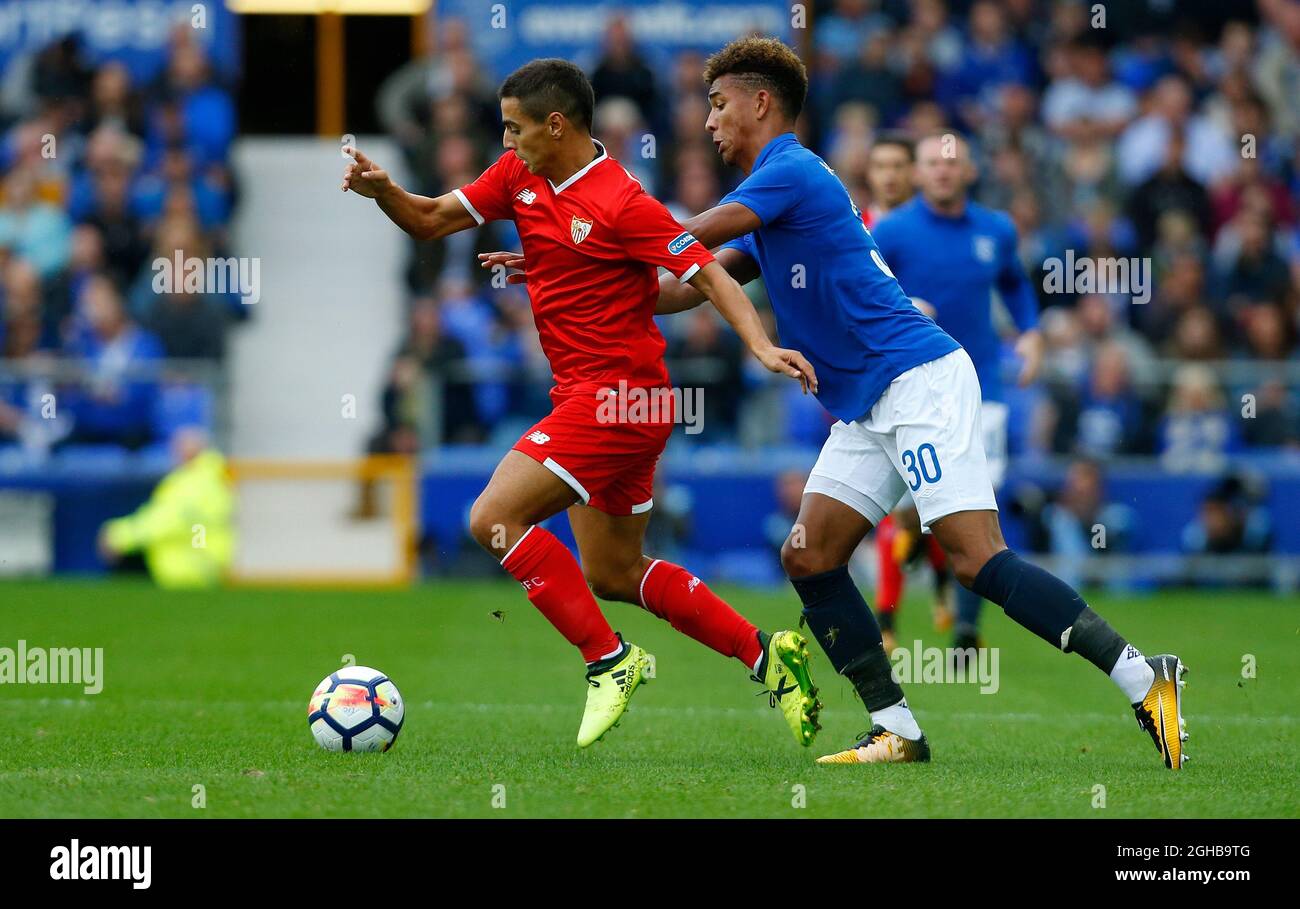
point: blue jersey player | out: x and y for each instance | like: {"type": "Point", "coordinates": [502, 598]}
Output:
{"type": "Point", "coordinates": [908, 402]}
{"type": "Point", "coordinates": [953, 255]}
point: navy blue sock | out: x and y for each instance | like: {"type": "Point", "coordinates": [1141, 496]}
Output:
{"type": "Point", "coordinates": [1048, 607]}
{"type": "Point", "coordinates": [843, 625]}
{"type": "Point", "coordinates": [1041, 602]}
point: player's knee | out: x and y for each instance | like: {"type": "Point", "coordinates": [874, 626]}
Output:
{"type": "Point", "coordinates": [619, 585]}
{"type": "Point", "coordinates": [966, 565]}
{"type": "Point", "coordinates": [964, 569]}
{"type": "Point", "coordinates": [488, 528]}
{"type": "Point", "coordinates": [801, 561]}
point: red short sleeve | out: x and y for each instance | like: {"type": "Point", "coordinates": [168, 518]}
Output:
{"type": "Point", "coordinates": [651, 235]}
{"type": "Point", "coordinates": [490, 197]}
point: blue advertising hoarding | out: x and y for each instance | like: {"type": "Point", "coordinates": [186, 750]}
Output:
{"type": "Point", "coordinates": [135, 32]}
{"type": "Point", "coordinates": [508, 33]}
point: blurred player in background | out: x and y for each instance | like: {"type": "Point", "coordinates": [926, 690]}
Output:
{"type": "Point", "coordinates": [908, 401]}
{"type": "Point", "coordinates": [953, 255]}
{"type": "Point", "coordinates": [891, 164]}
{"type": "Point", "coordinates": [595, 239]}
{"type": "Point", "coordinates": [185, 529]}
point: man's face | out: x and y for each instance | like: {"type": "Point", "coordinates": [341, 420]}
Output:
{"type": "Point", "coordinates": [732, 119]}
{"type": "Point", "coordinates": [889, 175]}
{"type": "Point", "coordinates": [529, 139]}
{"type": "Point", "coordinates": [943, 169]}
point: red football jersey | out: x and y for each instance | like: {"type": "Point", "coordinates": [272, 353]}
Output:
{"type": "Point", "coordinates": [593, 245]}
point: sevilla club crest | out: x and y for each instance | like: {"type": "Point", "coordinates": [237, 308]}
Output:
{"type": "Point", "coordinates": [579, 227]}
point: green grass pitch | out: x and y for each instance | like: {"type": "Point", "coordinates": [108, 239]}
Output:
{"type": "Point", "coordinates": [211, 690]}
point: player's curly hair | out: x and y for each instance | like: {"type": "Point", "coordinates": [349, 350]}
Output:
{"type": "Point", "coordinates": [763, 63]}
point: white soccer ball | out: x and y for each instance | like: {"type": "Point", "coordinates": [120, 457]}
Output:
{"type": "Point", "coordinates": [356, 709]}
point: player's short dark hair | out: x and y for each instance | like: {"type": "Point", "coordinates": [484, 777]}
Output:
{"type": "Point", "coordinates": [895, 139]}
{"type": "Point", "coordinates": [763, 63]}
{"type": "Point", "coordinates": [551, 84]}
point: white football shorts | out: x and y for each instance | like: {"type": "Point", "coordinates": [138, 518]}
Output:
{"type": "Point", "coordinates": [924, 438]}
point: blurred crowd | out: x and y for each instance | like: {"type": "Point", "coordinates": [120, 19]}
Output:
{"type": "Point", "coordinates": [101, 173]}
{"type": "Point", "coordinates": [1166, 132]}
{"type": "Point", "coordinates": [1169, 133]}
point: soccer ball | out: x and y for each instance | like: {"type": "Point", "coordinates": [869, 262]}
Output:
{"type": "Point", "coordinates": [356, 709]}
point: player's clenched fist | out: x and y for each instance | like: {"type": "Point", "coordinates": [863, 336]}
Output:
{"type": "Point", "coordinates": [362, 176]}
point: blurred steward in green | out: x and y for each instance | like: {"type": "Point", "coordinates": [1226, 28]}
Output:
{"type": "Point", "coordinates": [185, 529]}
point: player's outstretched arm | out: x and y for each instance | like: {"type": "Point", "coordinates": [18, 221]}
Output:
{"type": "Point", "coordinates": [725, 294]}
{"type": "Point", "coordinates": [723, 223]}
{"type": "Point", "coordinates": [420, 216]}
{"type": "Point", "coordinates": [674, 296]}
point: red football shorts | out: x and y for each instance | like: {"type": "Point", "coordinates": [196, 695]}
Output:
{"type": "Point", "coordinates": [605, 449]}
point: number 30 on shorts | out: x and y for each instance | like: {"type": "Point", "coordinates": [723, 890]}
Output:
{"type": "Point", "coordinates": [922, 466]}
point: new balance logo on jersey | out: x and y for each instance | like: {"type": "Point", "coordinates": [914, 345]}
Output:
{"type": "Point", "coordinates": [694, 582]}
{"type": "Point", "coordinates": [682, 241]}
{"type": "Point", "coordinates": [527, 196]}
{"type": "Point", "coordinates": [537, 437]}
{"type": "Point", "coordinates": [579, 228]}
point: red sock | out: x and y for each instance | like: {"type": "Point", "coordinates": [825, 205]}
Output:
{"type": "Point", "coordinates": [889, 581]}
{"type": "Point", "coordinates": [673, 593]}
{"type": "Point", "coordinates": [555, 585]}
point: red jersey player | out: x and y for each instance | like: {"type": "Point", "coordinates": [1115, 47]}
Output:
{"type": "Point", "coordinates": [594, 239]}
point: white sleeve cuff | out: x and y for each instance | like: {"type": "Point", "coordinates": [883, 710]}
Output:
{"type": "Point", "coordinates": [469, 208]}
{"type": "Point", "coordinates": [689, 273]}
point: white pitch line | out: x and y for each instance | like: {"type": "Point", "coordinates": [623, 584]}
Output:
{"type": "Point", "coordinates": [653, 710]}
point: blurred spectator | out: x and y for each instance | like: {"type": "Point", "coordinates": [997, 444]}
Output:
{"type": "Point", "coordinates": [1172, 136]}
{"type": "Point", "coordinates": [847, 27]}
{"type": "Point", "coordinates": [1081, 523]}
{"type": "Point", "coordinates": [1253, 270]}
{"type": "Point", "coordinates": [670, 525]}
{"type": "Point", "coordinates": [115, 406]}
{"type": "Point", "coordinates": [190, 324]}
{"type": "Point", "coordinates": [1109, 413]}
{"type": "Point", "coordinates": [186, 528]}
{"type": "Point", "coordinates": [1197, 432]}
{"type": "Point", "coordinates": [113, 103]}
{"type": "Point", "coordinates": [1087, 105]}
{"type": "Point", "coordinates": [789, 498]}
{"type": "Point", "coordinates": [869, 79]}
{"type": "Point", "coordinates": [194, 111]}
{"type": "Point", "coordinates": [413, 416]}
{"type": "Point", "coordinates": [706, 360]}
{"type": "Point", "coordinates": [992, 57]}
{"type": "Point", "coordinates": [622, 73]}
{"type": "Point", "coordinates": [1231, 520]}
{"type": "Point", "coordinates": [35, 230]}
{"type": "Point", "coordinates": [1169, 188]}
